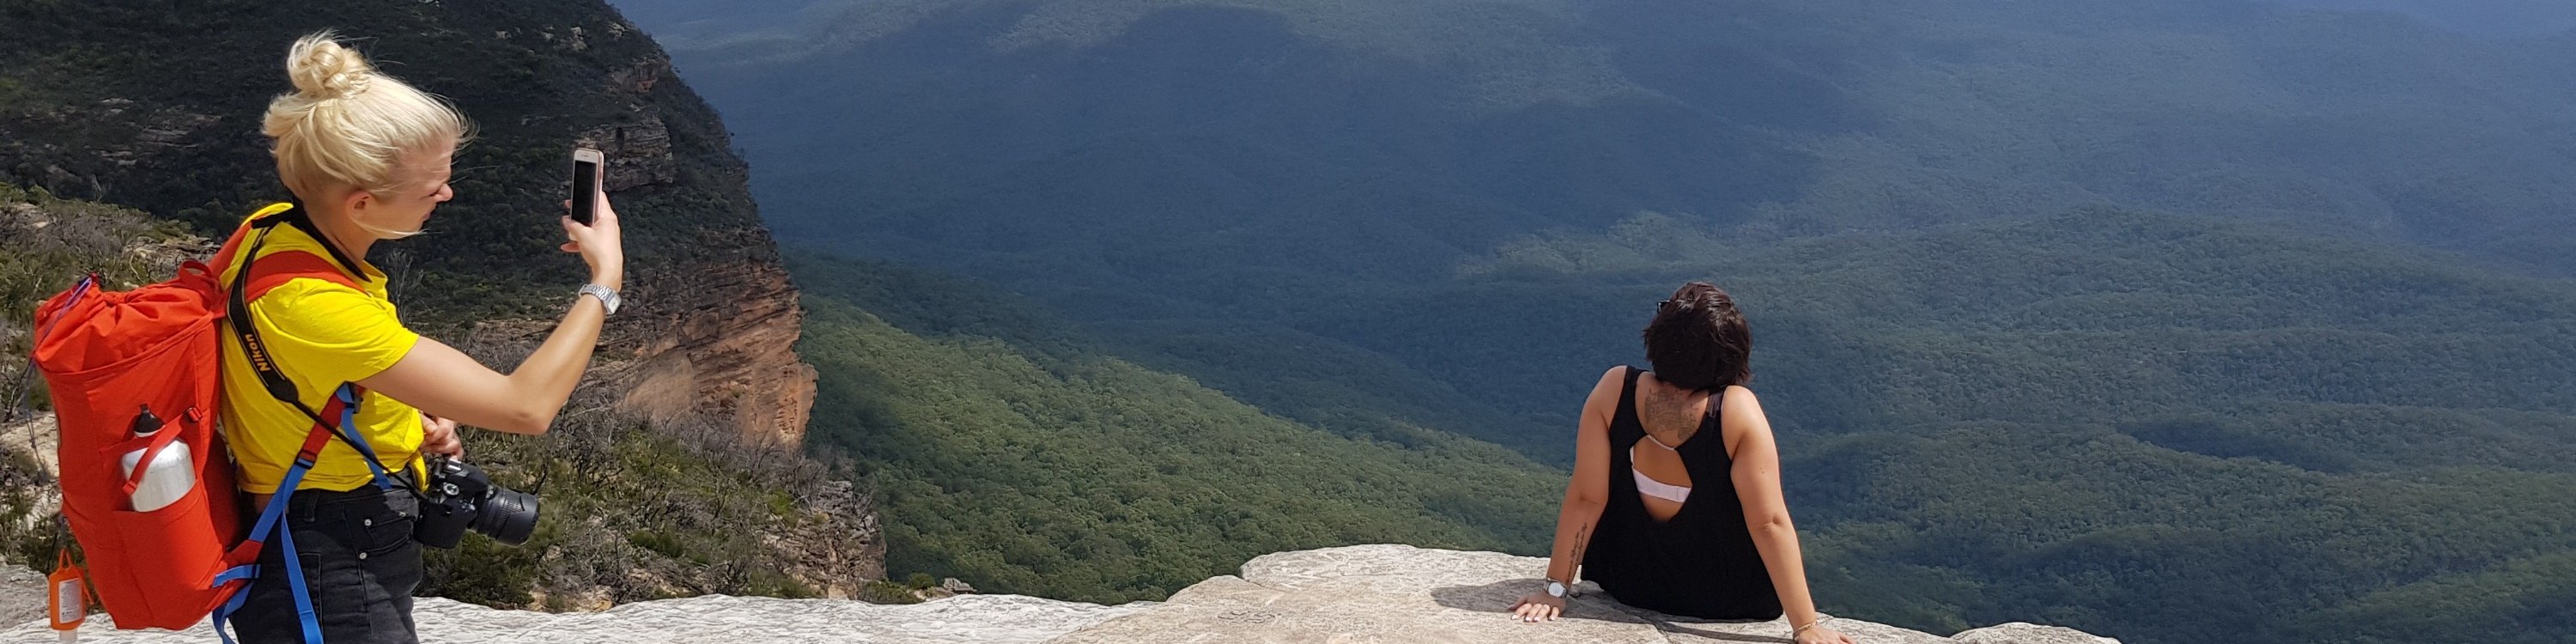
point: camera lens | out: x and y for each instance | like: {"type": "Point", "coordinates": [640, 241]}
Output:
{"type": "Point", "coordinates": [460, 497]}
{"type": "Point", "coordinates": [507, 515]}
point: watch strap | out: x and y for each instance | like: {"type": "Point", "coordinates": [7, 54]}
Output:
{"type": "Point", "coordinates": [607, 297]}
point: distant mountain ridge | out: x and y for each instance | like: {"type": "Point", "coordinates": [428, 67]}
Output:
{"type": "Point", "coordinates": [2518, 18]}
{"type": "Point", "coordinates": [1267, 121]}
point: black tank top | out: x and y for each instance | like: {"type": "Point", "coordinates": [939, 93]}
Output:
{"type": "Point", "coordinates": [1702, 562]}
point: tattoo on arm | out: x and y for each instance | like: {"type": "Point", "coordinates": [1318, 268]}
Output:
{"type": "Point", "coordinates": [1574, 557]}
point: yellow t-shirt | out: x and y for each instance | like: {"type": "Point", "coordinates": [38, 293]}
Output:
{"type": "Point", "coordinates": [322, 334]}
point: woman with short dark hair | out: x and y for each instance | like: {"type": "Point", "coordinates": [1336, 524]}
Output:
{"type": "Point", "coordinates": [1666, 514]}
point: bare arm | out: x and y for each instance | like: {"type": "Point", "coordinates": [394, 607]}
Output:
{"type": "Point", "coordinates": [1585, 495]}
{"type": "Point", "coordinates": [1590, 488]}
{"type": "Point", "coordinates": [446, 383]}
{"type": "Point", "coordinates": [1766, 512]}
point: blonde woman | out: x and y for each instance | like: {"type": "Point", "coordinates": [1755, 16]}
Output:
{"type": "Point", "coordinates": [367, 158]}
{"type": "Point", "coordinates": [1675, 504]}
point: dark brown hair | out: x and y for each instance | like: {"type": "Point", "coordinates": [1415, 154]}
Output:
{"type": "Point", "coordinates": [1698, 340]}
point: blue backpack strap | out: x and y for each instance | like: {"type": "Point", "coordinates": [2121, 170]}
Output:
{"type": "Point", "coordinates": [224, 614]}
{"type": "Point", "coordinates": [295, 581]}
{"type": "Point", "coordinates": [348, 431]}
{"type": "Point", "coordinates": [272, 520]}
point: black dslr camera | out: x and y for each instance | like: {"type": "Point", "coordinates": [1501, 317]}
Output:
{"type": "Point", "coordinates": [459, 496]}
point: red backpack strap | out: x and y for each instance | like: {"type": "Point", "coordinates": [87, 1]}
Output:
{"type": "Point", "coordinates": [276, 269]}
{"type": "Point", "coordinates": [271, 270]}
{"type": "Point", "coordinates": [232, 245]}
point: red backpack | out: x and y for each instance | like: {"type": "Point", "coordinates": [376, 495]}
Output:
{"type": "Point", "coordinates": [108, 356]}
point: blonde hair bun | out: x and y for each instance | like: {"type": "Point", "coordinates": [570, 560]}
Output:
{"type": "Point", "coordinates": [346, 125]}
{"type": "Point", "coordinates": [321, 68]}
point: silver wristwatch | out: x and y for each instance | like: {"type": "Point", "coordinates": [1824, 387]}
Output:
{"type": "Point", "coordinates": [1556, 589]}
{"type": "Point", "coordinates": [607, 297]}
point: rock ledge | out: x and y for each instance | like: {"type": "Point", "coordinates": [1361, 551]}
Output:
{"type": "Point", "coordinates": [1377, 593]}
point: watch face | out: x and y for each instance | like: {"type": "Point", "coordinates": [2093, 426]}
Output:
{"type": "Point", "coordinates": [1555, 589]}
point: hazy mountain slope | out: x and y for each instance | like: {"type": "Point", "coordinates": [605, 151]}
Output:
{"type": "Point", "coordinates": [2152, 313]}
{"type": "Point", "coordinates": [1014, 455]}
{"type": "Point", "coordinates": [1031, 139]}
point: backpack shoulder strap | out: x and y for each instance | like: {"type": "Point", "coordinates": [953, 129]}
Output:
{"type": "Point", "coordinates": [243, 232]}
{"type": "Point", "coordinates": [273, 269]}
{"type": "Point", "coordinates": [276, 269]}
{"type": "Point", "coordinates": [237, 295]}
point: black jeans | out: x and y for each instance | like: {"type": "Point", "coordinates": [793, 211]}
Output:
{"type": "Point", "coordinates": [360, 566]}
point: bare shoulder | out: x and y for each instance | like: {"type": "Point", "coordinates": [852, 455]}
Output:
{"type": "Point", "coordinates": [1605, 394]}
{"type": "Point", "coordinates": [1738, 398]}
{"type": "Point", "coordinates": [1613, 380]}
{"type": "Point", "coordinates": [1740, 416]}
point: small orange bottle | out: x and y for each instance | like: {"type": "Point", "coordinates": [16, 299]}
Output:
{"type": "Point", "coordinates": [66, 598]}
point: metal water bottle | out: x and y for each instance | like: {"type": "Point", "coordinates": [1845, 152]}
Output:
{"type": "Point", "coordinates": [170, 473]}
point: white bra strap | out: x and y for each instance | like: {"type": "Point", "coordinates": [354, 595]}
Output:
{"type": "Point", "coordinates": [1632, 449]}
{"type": "Point", "coordinates": [1650, 487]}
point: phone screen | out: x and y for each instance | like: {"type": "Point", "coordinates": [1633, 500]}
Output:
{"type": "Point", "coordinates": [585, 190]}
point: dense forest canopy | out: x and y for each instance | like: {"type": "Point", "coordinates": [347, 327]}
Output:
{"type": "Point", "coordinates": [2181, 321]}
{"type": "Point", "coordinates": [2488, 17]}
{"type": "Point", "coordinates": [1024, 457]}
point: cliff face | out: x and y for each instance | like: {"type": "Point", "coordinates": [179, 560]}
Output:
{"type": "Point", "coordinates": [1382, 593]}
{"type": "Point", "coordinates": [727, 348]}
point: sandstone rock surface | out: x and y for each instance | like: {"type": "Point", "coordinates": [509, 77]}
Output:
{"type": "Point", "coordinates": [1000, 619]}
{"type": "Point", "coordinates": [1377, 593]}
{"type": "Point", "coordinates": [1395, 593]}
{"type": "Point", "coordinates": [22, 595]}
{"type": "Point", "coordinates": [2022, 633]}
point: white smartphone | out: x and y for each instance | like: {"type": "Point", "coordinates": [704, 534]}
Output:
{"type": "Point", "coordinates": [585, 185]}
